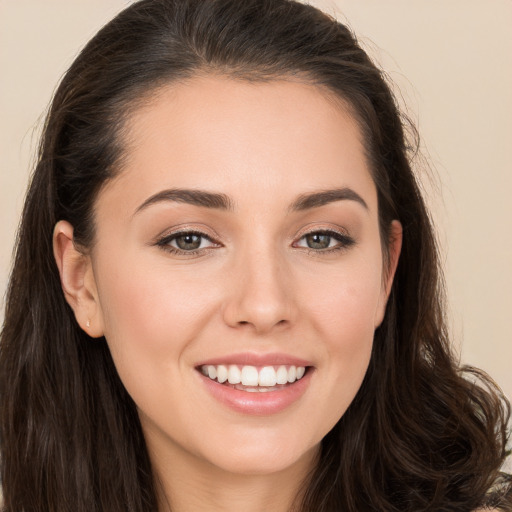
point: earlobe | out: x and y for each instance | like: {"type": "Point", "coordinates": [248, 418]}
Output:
{"type": "Point", "coordinates": [77, 280]}
{"type": "Point", "coordinates": [394, 249]}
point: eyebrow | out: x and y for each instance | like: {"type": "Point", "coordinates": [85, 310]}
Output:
{"type": "Point", "coordinates": [189, 196]}
{"type": "Point", "coordinates": [324, 197]}
{"type": "Point", "coordinates": [221, 201]}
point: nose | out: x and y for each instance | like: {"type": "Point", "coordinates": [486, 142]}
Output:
{"type": "Point", "coordinates": [261, 293]}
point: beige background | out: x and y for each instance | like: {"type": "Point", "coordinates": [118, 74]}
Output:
{"type": "Point", "coordinates": [452, 63]}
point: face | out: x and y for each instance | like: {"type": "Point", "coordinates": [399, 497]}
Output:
{"type": "Point", "coordinates": [239, 241]}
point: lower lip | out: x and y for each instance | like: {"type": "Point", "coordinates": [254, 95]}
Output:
{"type": "Point", "coordinates": [258, 403]}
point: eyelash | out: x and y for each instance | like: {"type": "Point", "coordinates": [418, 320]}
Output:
{"type": "Point", "coordinates": [165, 243]}
{"type": "Point", "coordinates": [344, 242]}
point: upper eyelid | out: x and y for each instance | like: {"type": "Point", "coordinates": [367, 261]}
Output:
{"type": "Point", "coordinates": [342, 236]}
{"type": "Point", "coordinates": [164, 243]}
{"type": "Point", "coordinates": [319, 229]}
{"type": "Point", "coordinates": [214, 238]}
{"type": "Point", "coordinates": [167, 239]}
{"type": "Point", "coordinates": [176, 234]}
{"type": "Point", "coordinates": [170, 234]}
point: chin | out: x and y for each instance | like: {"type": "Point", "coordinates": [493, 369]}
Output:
{"type": "Point", "coordinates": [260, 458]}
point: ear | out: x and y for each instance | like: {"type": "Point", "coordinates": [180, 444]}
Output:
{"type": "Point", "coordinates": [394, 248]}
{"type": "Point", "coordinates": [77, 280]}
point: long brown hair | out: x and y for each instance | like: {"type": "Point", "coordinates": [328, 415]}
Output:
{"type": "Point", "coordinates": [418, 436]}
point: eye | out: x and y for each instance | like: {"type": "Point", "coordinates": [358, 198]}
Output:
{"type": "Point", "coordinates": [325, 241]}
{"type": "Point", "coordinates": [186, 242]}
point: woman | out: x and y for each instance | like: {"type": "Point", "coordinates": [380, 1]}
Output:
{"type": "Point", "coordinates": [226, 292]}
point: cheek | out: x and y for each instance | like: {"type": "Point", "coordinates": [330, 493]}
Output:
{"type": "Point", "coordinates": [150, 318]}
{"type": "Point", "coordinates": [345, 304]}
{"type": "Point", "coordinates": [150, 304]}
{"type": "Point", "coordinates": [343, 311]}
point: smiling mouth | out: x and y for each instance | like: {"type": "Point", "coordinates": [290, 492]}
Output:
{"type": "Point", "coordinates": [254, 379]}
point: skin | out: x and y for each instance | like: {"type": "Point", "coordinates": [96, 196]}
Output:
{"type": "Point", "coordinates": [256, 287]}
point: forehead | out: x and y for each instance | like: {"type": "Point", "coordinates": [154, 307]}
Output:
{"type": "Point", "coordinates": [241, 137]}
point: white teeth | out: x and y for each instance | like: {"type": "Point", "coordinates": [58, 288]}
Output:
{"type": "Point", "coordinates": [266, 378]}
{"type": "Point", "coordinates": [222, 373]}
{"type": "Point", "coordinates": [282, 375]}
{"type": "Point", "coordinates": [249, 376]}
{"type": "Point", "coordinates": [234, 374]}
{"type": "Point", "coordinates": [212, 372]}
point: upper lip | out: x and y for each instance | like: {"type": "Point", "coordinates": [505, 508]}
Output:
{"type": "Point", "coordinates": [255, 359]}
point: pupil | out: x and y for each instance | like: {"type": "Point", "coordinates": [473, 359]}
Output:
{"type": "Point", "coordinates": [188, 242]}
{"type": "Point", "coordinates": [317, 241]}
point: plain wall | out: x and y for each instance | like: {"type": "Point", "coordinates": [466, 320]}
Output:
{"type": "Point", "coordinates": [452, 64]}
